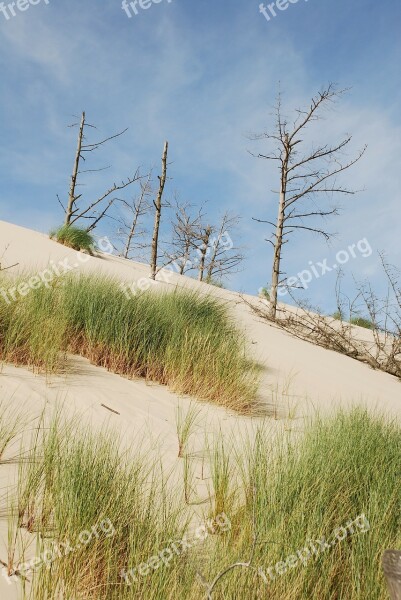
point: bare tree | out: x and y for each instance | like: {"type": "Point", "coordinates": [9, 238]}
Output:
{"type": "Point", "coordinates": [187, 234]}
{"type": "Point", "coordinates": [304, 178]}
{"type": "Point", "coordinates": [95, 210]}
{"type": "Point", "coordinates": [130, 223]}
{"type": "Point", "coordinates": [225, 255]}
{"type": "Point", "coordinates": [158, 208]}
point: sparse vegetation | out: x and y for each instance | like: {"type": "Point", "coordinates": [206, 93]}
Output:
{"type": "Point", "coordinates": [380, 350]}
{"type": "Point", "coordinates": [289, 491]}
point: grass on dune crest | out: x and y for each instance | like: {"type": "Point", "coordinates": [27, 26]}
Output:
{"type": "Point", "coordinates": [73, 237]}
{"type": "Point", "coordinates": [288, 492]}
{"type": "Point", "coordinates": [179, 338]}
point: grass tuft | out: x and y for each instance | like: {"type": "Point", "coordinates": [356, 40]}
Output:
{"type": "Point", "coordinates": [362, 322]}
{"type": "Point", "coordinates": [73, 237]}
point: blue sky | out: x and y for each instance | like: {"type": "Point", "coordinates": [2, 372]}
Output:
{"type": "Point", "coordinates": [204, 74]}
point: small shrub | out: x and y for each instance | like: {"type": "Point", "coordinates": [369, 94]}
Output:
{"type": "Point", "coordinates": [74, 237]}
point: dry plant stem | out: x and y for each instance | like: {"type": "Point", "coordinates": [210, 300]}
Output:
{"type": "Point", "coordinates": [383, 352]}
{"type": "Point", "coordinates": [236, 565]}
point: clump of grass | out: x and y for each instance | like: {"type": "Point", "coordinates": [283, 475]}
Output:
{"type": "Point", "coordinates": [73, 237]}
{"type": "Point", "coordinates": [302, 491]}
{"type": "Point", "coordinates": [180, 339]}
{"type": "Point", "coordinates": [32, 327]}
{"type": "Point", "coordinates": [362, 322]}
{"type": "Point", "coordinates": [98, 510]}
{"type": "Point", "coordinates": [297, 490]}
{"type": "Point", "coordinates": [359, 321]}
{"type": "Point", "coordinates": [222, 476]}
{"type": "Point", "coordinates": [264, 293]}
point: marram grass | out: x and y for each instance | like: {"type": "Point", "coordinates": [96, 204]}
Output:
{"type": "Point", "coordinates": [73, 237]}
{"type": "Point", "coordinates": [292, 491]}
{"type": "Point", "coordinates": [179, 338]}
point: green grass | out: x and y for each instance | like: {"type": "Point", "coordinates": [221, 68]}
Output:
{"type": "Point", "coordinates": [359, 321]}
{"type": "Point", "coordinates": [362, 322]}
{"type": "Point", "coordinates": [73, 237]}
{"type": "Point", "coordinates": [96, 510]}
{"type": "Point", "coordinates": [291, 490]}
{"type": "Point", "coordinates": [180, 339]}
{"type": "Point", "coordinates": [304, 489]}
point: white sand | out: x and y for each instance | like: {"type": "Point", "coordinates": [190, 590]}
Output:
{"type": "Point", "coordinates": [298, 377]}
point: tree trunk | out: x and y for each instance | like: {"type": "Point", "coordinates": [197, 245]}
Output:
{"type": "Point", "coordinates": [204, 248]}
{"type": "Point", "coordinates": [132, 232]}
{"type": "Point", "coordinates": [213, 257]}
{"type": "Point", "coordinates": [185, 257]}
{"type": "Point", "coordinates": [71, 197]}
{"type": "Point", "coordinates": [158, 207]}
{"type": "Point", "coordinates": [279, 235]}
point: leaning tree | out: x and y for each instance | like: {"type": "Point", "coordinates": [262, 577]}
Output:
{"type": "Point", "coordinates": [307, 177]}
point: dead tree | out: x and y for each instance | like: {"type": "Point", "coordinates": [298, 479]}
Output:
{"type": "Point", "coordinates": [225, 255]}
{"type": "Point", "coordinates": [203, 250]}
{"type": "Point", "coordinates": [130, 230]}
{"type": "Point", "coordinates": [304, 178]}
{"type": "Point", "coordinates": [187, 236]}
{"type": "Point", "coordinates": [98, 208]}
{"type": "Point", "coordinates": [158, 209]}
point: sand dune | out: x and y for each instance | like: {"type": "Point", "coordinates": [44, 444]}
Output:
{"type": "Point", "coordinates": [297, 377]}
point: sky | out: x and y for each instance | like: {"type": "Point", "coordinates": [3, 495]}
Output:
{"type": "Point", "coordinates": [204, 75]}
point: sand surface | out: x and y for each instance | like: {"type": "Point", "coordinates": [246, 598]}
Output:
{"type": "Point", "coordinates": [297, 377]}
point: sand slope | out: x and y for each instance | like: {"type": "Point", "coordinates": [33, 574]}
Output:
{"type": "Point", "coordinates": [307, 375]}
{"type": "Point", "coordinates": [297, 377]}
